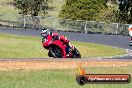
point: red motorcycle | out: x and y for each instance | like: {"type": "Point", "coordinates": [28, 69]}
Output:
{"type": "Point", "coordinates": [57, 48]}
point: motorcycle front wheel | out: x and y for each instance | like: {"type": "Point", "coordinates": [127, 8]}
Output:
{"type": "Point", "coordinates": [56, 52]}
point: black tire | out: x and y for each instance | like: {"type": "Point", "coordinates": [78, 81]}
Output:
{"type": "Point", "coordinates": [76, 53]}
{"type": "Point", "coordinates": [81, 80]}
{"type": "Point", "coordinates": [56, 52]}
{"type": "Point", "coordinates": [49, 54]}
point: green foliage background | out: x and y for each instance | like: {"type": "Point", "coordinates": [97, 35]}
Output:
{"type": "Point", "coordinates": [82, 9]}
{"type": "Point", "coordinates": [125, 11]}
{"type": "Point", "coordinates": [33, 7]}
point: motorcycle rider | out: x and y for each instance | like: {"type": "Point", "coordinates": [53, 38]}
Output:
{"type": "Point", "coordinates": [69, 46]}
{"type": "Point", "coordinates": [45, 32]}
{"type": "Point", "coordinates": [130, 33]}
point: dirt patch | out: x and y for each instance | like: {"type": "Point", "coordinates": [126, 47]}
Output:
{"type": "Point", "coordinates": [56, 64]}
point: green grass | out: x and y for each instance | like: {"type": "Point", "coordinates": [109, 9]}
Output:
{"type": "Point", "coordinates": [13, 46]}
{"type": "Point", "coordinates": [58, 78]}
{"type": "Point", "coordinates": [97, 50]}
{"type": "Point", "coordinates": [21, 47]}
{"type": "Point", "coordinates": [7, 12]}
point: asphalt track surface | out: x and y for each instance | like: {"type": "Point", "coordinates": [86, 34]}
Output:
{"type": "Point", "coordinates": [111, 40]}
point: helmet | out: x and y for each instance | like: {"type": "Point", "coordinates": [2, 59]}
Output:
{"type": "Point", "coordinates": [44, 31]}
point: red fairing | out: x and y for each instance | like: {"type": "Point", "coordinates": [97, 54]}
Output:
{"type": "Point", "coordinates": [49, 42]}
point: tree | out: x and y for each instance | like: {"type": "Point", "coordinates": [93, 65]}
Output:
{"type": "Point", "coordinates": [82, 9]}
{"type": "Point", "coordinates": [33, 7]}
{"type": "Point", "coordinates": [39, 5]}
{"type": "Point", "coordinates": [125, 11]}
{"type": "Point", "coordinates": [109, 14]}
{"type": "Point", "coordinates": [23, 5]}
